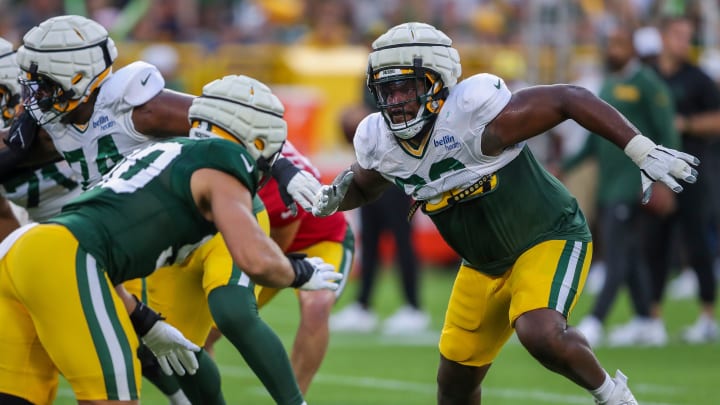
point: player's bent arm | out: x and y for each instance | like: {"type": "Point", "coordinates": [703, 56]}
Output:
{"type": "Point", "coordinates": [366, 187]}
{"type": "Point", "coordinates": [284, 235]}
{"type": "Point", "coordinates": [165, 115]}
{"type": "Point", "coordinates": [536, 109]}
{"type": "Point", "coordinates": [224, 200]}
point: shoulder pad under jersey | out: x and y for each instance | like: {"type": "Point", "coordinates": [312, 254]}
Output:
{"type": "Point", "coordinates": [136, 83]}
{"type": "Point", "coordinates": [483, 95]}
{"type": "Point", "coordinates": [366, 140]}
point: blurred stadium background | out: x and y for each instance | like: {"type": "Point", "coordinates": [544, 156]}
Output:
{"type": "Point", "coordinates": [313, 53]}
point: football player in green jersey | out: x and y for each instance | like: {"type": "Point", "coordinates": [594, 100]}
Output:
{"type": "Point", "coordinates": [177, 194]}
{"type": "Point", "coordinates": [77, 105]}
{"type": "Point", "coordinates": [458, 148]}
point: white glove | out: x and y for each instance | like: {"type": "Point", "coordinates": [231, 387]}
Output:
{"type": "Point", "coordinates": [658, 163]}
{"type": "Point", "coordinates": [171, 349]}
{"type": "Point", "coordinates": [323, 278]}
{"type": "Point", "coordinates": [328, 199]}
{"type": "Point", "coordinates": [302, 188]}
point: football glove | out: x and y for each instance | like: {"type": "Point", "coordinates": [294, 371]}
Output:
{"type": "Point", "coordinates": [312, 273]}
{"type": "Point", "coordinates": [22, 132]}
{"type": "Point", "coordinates": [295, 185]}
{"type": "Point", "coordinates": [169, 346]}
{"type": "Point", "coordinates": [328, 198]}
{"type": "Point", "coordinates": [172, 350]}
{"type": "Point", "coordinates": [658, 163]}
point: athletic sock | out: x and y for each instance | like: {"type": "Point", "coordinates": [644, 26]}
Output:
{"type": "Point", "coordinates": [602, 393]}
{"type": "Point", "coordinates": [179, 398]}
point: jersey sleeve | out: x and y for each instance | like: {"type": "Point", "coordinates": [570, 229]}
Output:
{"type": "Point", "coordinates": [137, 83]}
{"type": "Point", "coordinates": [483, 96]}
{"type": "Point", "coordinates": [366, 139]}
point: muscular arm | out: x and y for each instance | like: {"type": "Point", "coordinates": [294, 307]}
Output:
{"type": "Point", "coordinates": [702, 125]}
{"type": "Point", "coordinates": [224, 200]}
{"type": "Point", "coordinates": [41, 151]}
{"type": "Point", "coordinates": [536, 109]}
{"type": "Point", "coordinates": [366, 187]}
{"type": "Point", "coordinates": [164, 116]}
{"type": "Point", "coordinates": [284, 235]}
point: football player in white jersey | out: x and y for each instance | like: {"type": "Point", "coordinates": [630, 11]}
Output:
{"type": "Point", "coordinates": [41, 190]}
{"type": "Point", "coordinates": [459, 150]}
{"type": "Point", "coordinates": [93, 115]}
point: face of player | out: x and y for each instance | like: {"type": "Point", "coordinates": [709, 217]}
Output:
{"type": "Point", "coordinates": [401, 99]}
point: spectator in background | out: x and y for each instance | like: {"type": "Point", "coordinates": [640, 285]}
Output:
{"type": "Point", "coordinates": [635, 90]}
{"type": "Point", "coordinates": [695, 94]}
{"type": "Point", "coordinates": [375, 219]}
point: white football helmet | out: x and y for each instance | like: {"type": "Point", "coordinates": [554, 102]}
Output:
{"type": "Point", "coordinates": [419, 60]}
{"type": "Point", "coordinates": [244, 110]}
{"type": "Point", "coordinates": [9, 85]}
{"type": "Point", "coordinates": [64, 59]}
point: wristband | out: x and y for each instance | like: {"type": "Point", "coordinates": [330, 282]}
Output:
{"type": "Point", "coordinates": [302, 268]}
{"type": "Point", "coordinates": [638, 148]}
{"type": "Point", "coordinates": [143, 318]}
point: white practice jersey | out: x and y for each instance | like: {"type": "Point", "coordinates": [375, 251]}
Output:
{"type": "Point", "coordinates": [451, 157]}
{"type": "Point", "coordinates": [44, 191]}
{"type": "Point", "coordinates": [91, 150]}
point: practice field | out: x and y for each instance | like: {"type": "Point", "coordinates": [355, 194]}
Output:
{"type": "Point", "coordinates": [375, 369]}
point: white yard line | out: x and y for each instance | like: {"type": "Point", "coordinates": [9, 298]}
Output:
{"type": "Point", "coordinates": [430, 389]}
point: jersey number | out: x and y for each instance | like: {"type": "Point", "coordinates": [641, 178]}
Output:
{"type": "Point", "coordinates": [140, 167]}
{"type": "Point", "coordinates": [107, 156]}
{"type": "Point", "coordinates": [437, 169]}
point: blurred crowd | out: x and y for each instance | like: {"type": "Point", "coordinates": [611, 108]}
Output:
{"type": "Point", "coordinates": [333, 22]}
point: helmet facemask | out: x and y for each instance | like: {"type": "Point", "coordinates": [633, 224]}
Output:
{"type": "Point", "coordinates": [8, 103]}
{"type": "Point", "coordinates": [409, 98]}
{"type": "Point", "coordinates": [44, 99]}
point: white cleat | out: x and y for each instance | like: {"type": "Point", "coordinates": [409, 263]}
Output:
{"type": "Point", "coordinates": [353, 318]}
{"type": "Point", "coordinates": [639, 332]}
{"type": "Point", "coordinates": [704, 330]}
{"type": "Point", "coordinates": [621, 394]}
{"type": "Point", "coordinates": [592, 328]}
{"type": "Point", "coordinates": [406, 320]}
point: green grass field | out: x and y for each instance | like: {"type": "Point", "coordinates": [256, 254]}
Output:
{"type": "Point", "coordinates": [373, 369]}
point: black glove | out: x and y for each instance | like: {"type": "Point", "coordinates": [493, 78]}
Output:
{"type": "Point", "coordinates": [22, 133]}
{"type": "Point", "coordinates": [303, 269]}
{"type": "Point", "coordinates": [143, 318]}
{"type": "Point", "coordinates": [283, 171]}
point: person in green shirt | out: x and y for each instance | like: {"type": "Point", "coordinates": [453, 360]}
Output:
{"type": "Point", "coordinates": [641, 96]}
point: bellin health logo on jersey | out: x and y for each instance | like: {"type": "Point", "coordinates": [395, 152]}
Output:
{"type": "Point", "coordinates": [448, 141]}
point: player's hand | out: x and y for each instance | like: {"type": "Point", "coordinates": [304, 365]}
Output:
{"type": "Point", "coordinates": [22, 132]}
{"type": "Point", "coordinates": [658, 163]}
{"type": "Point", "coordinates": [172, 350]}
{"type": "Point", "coordinates": [295, 184]}
{"type": "Point", "coordinates": [328, 199]}
{"type": "Point", "coordinates": [312, 273]}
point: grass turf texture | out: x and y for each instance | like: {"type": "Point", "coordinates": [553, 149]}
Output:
{"type": "Point", "coordinates": [375, 369]}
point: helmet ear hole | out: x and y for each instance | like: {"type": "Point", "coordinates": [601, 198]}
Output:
{"type": "Point", "coordinates": [259, 144]}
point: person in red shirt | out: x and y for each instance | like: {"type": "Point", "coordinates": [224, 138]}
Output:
{"type": "Point", "coordinates": [298, 231]}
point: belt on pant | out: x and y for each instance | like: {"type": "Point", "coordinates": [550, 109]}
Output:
{"type": "Point", "coordinates": [452, 197]}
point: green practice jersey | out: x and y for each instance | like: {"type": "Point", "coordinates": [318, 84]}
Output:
{"type": "Point", "coordinates": [142, 215]}
{"type": "Point", "coordinates": [526, 207]}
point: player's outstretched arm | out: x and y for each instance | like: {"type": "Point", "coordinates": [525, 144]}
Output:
{"type": "Point", "coordinates": [535, 110]}
{"type": "Point", "coordinates": [165, 115]}
{"type": "Point", "coordinates": [352, 188]}
{"type": "Point", "coordinates": [172, 350]}
{"type": "Point", "coordinates": [224, 200]}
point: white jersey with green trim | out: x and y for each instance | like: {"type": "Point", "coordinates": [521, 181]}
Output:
{"type": "Point", "coordinates": [44, 191]}
{"type": "Point", "coordinates": [450, 157]}
{"type": "Point", "coordinates": [92, 149]}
